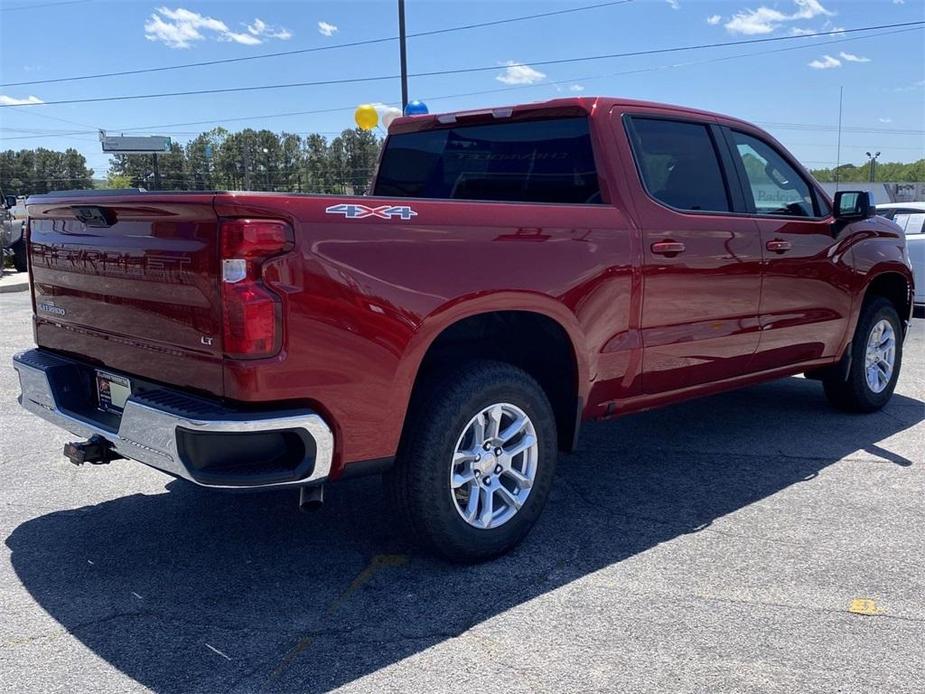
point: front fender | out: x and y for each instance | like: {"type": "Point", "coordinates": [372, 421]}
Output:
{"type": "Point", "coordinates": [876, 251]}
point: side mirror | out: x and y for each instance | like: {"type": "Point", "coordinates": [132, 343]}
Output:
{"type": "Point", "coordinates": [853, 205]}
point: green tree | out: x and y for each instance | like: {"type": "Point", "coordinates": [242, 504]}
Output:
{"type": "Point", "coordinates": [356, 152]}
{"type": "Point", "coordinates": [200, 159]}
{"type": "Point", "coordinates": [315, 164]}
{"type": "Point", "coordinates": [290, 162]}
{"type": "Point", "coordinates": [116, 181]}
{"type": "Point", "coordinates": [228, 162]}
{"type": "Point", "coordinates": [42, 170]}
{"type": "Point", "coordinates": [888, 172]}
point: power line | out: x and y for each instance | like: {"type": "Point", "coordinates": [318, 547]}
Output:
{"type": "Point", "coordinates": [15, 108]}
{"type": "Point", "coordinates": [457, 71]}
{"type": "Point", "coordinates": [46, 4]}
{"type": "Point", "coordinates": [318, 49]}
{"type": "Point", "coordinates": [585, 78]}
{"type": "Point", "coordinates": [832, 128]}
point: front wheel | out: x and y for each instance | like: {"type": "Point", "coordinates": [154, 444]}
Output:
{"type": "Point", "coordinates": [19, 256]}
{"type": "Point", "coordinates": [476, 461]}
{"type": "Point", "coordinates": [876, 357]}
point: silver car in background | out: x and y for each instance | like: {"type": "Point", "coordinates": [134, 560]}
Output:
{"type": "Point", "coordinates": [911, 217]}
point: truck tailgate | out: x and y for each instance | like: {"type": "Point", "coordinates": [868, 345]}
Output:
{"type": "Point", "coordinates": [131, 284]}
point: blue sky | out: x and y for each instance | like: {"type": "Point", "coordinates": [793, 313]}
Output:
{"type": "Point", "coordinates": [883, 77]}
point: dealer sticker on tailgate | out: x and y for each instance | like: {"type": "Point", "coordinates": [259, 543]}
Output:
{"type": "Point", "coordinates": [112, 391]}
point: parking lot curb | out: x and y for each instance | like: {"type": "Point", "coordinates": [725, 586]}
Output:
{"type": "Point", "coordinates": [14, 283]}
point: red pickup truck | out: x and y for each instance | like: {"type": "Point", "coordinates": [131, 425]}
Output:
{"type": "Point", "coordinates": [514, 272]}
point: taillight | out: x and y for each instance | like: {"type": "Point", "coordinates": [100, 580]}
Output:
{"type": "Point", "coordinates": [252, 312]}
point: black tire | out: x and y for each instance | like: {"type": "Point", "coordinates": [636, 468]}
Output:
{"type": "Point", "coordinates": [19, 256]}
{"type": "Point", "coordinates": [419, 482]}
{"type": "Point", "coordinates": [853, 394]}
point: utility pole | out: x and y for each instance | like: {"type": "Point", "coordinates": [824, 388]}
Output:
{"type": "Point", "coordinates": [157, 173]}
{"type": "Point", "coordinates": [247, 165]}
{"type": "Point", "coordinates": [872, 166]}
{"type": "Point", "coordinates": [404, 55]}
{"type": "Point", "coordinates": [841, 96]}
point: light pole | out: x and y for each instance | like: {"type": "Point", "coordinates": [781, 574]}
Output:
{"type": "Point", "coordinates": [404, 55]}
{"type": "Point", "coordinates": [872, 166]}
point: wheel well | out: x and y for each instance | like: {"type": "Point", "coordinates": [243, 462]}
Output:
{"type": "Point", "coordinates": [531, 341]}
{"type": "Point", "coordinates": [894, 288]}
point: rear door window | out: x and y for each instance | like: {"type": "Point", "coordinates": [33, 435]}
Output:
{"type": "Point", "coordinates": [679, 164]}
{"type": "Point", "coordinates": [519, 161]}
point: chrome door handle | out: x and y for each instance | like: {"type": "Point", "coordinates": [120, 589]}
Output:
{"type": "Point", "coordinates": [778, 246]}
{"type": "Point", "coordinates": [668, 248]}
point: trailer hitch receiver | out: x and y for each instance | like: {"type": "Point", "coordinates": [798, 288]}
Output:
{"type": "Point", "coordinates": [95, 450]}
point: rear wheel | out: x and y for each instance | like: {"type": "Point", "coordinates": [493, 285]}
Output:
{"type": "Point", "coordinates": [876, 357]}
{"type": "Point", "coordinates": [476, 461]}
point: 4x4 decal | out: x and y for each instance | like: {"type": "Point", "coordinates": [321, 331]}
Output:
{"type": "Point", "coordinates": [354, 211]}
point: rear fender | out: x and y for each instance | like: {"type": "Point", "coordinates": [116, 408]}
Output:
{"type": "Point", "coordinates": [449, 314]}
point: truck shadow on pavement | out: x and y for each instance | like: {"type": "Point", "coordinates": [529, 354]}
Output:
{"type": "Point", "coordinates": [199, 591]}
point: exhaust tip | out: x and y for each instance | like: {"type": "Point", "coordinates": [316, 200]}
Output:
{"type": "Point", "coordinates": [311, 498]}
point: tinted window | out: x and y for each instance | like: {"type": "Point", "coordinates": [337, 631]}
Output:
{"type": "Point", "coordinates": [530, 161]}
{"type": "Point", "coordinates": [775, 185]}
{"type": "Point", "coordinates": [679, 164]}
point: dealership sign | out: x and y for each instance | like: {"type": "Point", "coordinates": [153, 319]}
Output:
{"type": "Point", "coordinates": [134, 144]}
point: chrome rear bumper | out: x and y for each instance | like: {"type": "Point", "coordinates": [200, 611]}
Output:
{"type": "Point", "coordinates": [152, 423]}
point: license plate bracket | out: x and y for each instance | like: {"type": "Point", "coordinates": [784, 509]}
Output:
{"type": "Point", "coordinates": [112, 391]}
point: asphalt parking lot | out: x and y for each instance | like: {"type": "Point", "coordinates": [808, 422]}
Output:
{"type": "Point", "coordinates": [712, 546]}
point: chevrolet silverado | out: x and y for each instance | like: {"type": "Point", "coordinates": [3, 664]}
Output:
{"type": "Point", "coordinates": [514, 272]}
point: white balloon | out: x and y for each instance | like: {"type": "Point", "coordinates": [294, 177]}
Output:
{"type": "Point", "coordinates": [390, 115]}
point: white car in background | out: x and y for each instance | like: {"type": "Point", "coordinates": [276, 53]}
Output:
{"type": "Point", "coordinates": [911, 217]}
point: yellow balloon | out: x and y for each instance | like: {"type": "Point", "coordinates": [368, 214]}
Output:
{"type": "Point", "coordinates": [366, 117]}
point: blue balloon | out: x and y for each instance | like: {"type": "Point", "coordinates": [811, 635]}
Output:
{"type": "Point", "coordinates": [416, 108]}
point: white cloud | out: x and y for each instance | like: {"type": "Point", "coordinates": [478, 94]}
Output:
{"type": "Point", "coordinates": [180, 28]}
{"type": "Point", "coordinates": [910, 87]}
{"type": "Point", "coordinates": [766, 20]}
{"type": "Point", "coordinates": [326, 29]}
{"type": "Point", "coordinates": [675, 4]}
{"type": "Point", "coordinates": [899, 2]}
{"type": "Point", "coordinates": [799, 31]}
{"type": "Point", "coordinates": [714, 19]}
{"type": "Point", "coordinates": [576, 88]}
{"type": "Point", "coordinates": [852, 58]}
{"type": "Point", "coordinates": [827, 62]}
{"type": "Point", "coordinates": [809, 9]}
{"type": "Point", "coordinates": [13, 101]}
{"type": "Point", "coordinates": [193, 19]}
{"type": "Point", "coordinates": [261, 29]}
{"type": "Point", "coordinates": [518, 73]}
{"type": "Point", "coordinates": [885, 120]}
{"type": "Point", "coordinates": [170, 34]}
{"type": "Point", "coordinates": [243, 39]}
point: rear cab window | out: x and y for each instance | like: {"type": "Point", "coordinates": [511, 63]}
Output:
{"type": "Point", "coordinates": [679, 164]}
{"type": "Point", "coordinates": [542, 161]}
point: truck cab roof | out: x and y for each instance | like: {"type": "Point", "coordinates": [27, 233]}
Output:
{"type": "Point", "coordinates": [565, 106]}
